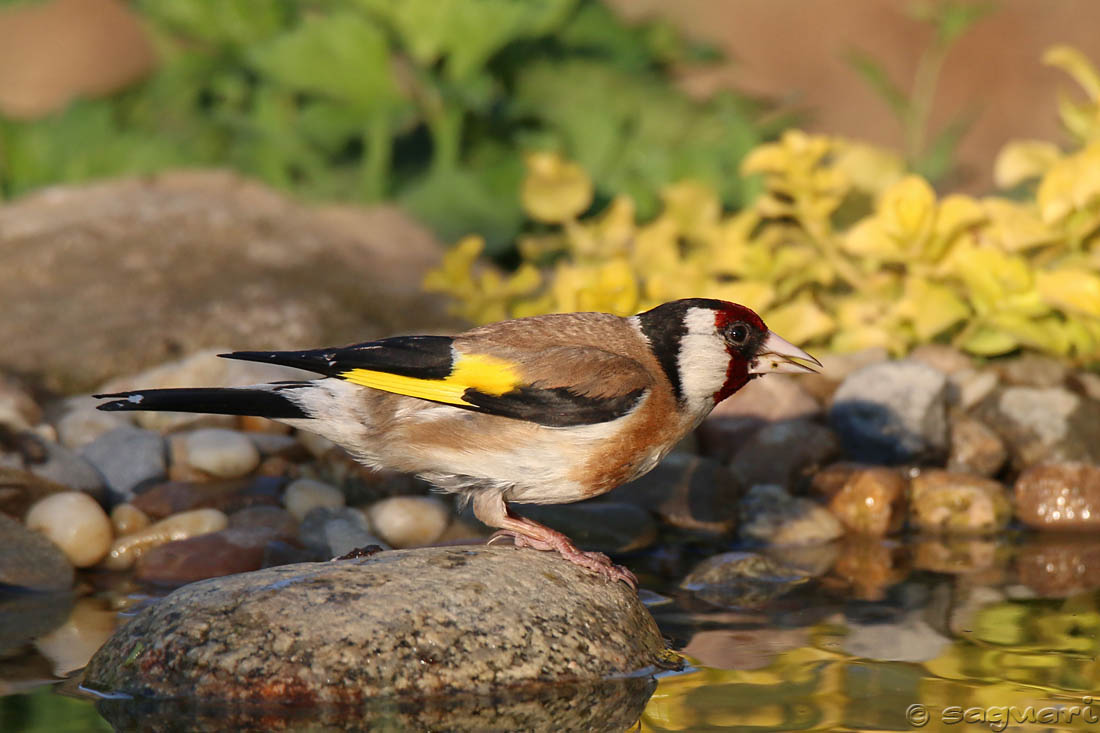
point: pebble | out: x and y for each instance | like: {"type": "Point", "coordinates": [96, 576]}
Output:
{"type": "Point", "coordinates": [409, 521]}
{"type": "Point", "coordinates": [126, 550]}
{"type": "Point", "coordinates": [1060, 566]}
{"type": "Point", "coordinates": [786, 453]}
{"type": "Point", "coordinates": [601, 526]}
{"type": "Point", "coordinates": [76, 523]}
{"type": "Point", "coordinates": [971, 386]}
{"type": "Point", "coordinates": [869, 566]}
{"type": "Point", "coordinates": [334, 531]}
{"type": "Point", "coordinates": [742, 580]}
{"type": "Point", "coordinates": [220, 453]}
{"type": "Point", "coordinates": [507, 620]}
{"type": "Point", "coordinates": [1032, 370]}
{"type": "Point", "coordinates": [688, 492]}
{"type": "Point", "coordinates": [1086, 383]}
{"type": "Point", "coordinates": [20, 489]}
{"type": "Point", "coordinates": [210, 555]}
{"type": "Point", "coordinates": [951, 502]}
{"type": "Point", "coordinates": [1064, 496]}
{"type": "Point", "coordinates": [29, 560]}
{"type": "Point", "coordinates": [773, 516]}
{"type": "Point", "coordinates": [871, 502]}
{"type": "Point", "coordinates": [893, 412]}
{"type": "Point", "coordinates": [304, 495]}
{"type": "Point", "coordinates": [275, 518]}
{"type": "Point", "coordinates": [942, 358]}
{"type": "Point", "coordinates": [81, 423]}
{"type": "Point", "coordinates": [229, 495]}
{"type": "Point", "coordinates": [71, 645]}
{"type": "Point", "coordinates": [127, 457]}
{"type": "Point", "coordinates": [53, 462]}
{"type": "Point", "coordinates": [757, 403]}
{"type": "Point", "coordinates": [835, 369]}
{"type": "Point", "coordinates": [1048, 425]}
{"type": "Point", "coordinates": [127, 519]}
{"type": "Point", "coordinates": [278, 445]}
{"type": "Point", "coordinates": [18, 410]}
{"type": "Point", "coordinates": [975, 447]}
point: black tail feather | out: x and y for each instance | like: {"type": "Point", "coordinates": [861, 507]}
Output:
{"type": "Point", "coordinates": [214, 400]}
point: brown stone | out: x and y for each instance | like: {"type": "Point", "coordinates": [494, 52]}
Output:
{"type": "Point", "coordinates": [872, 502]}
{"type": "Point", "coordinates": [111, 277]}
{"type": "Point", "coordinates": [211, 555]}
{"type": "Point", "coordinates": [828, 482]}
{"type": "Point", "coordinates": [785, 453]}
{"type": "Point", "coordinates": [1032, 370]}
{"type": "Point", "coordinates": [274, 518]}
{"type": "Point", "coordinates": [975, 447]}
{"type": "Point", "coordinates": [688, 492]}
{"type": "Point", "coordinates": [950, 502]}
{"type": "Point", "coordinates": [20, 489]}
{"type": "Point", "coordinates": [1061, 496]}
{"type": "Point", "coordinates": [173, 497]}
{"type": "Point", "coordinates": [867, 566]}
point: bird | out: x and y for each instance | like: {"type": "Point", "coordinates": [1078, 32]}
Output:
{"type": "Point", "coordinates": [545, 409]}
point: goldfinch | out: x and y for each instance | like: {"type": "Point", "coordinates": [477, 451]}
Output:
{"type": "Point", "coordinates": [544, 410]}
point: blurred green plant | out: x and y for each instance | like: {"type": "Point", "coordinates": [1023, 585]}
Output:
{"type": "Point", "coordinates": [929, 155]}
{"type": "Point", "coordinates": [844, 249]}
{"type": "Point", "coordinates": [422, 101]}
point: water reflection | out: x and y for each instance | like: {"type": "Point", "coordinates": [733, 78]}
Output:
{"type": "Point", "coordinates": [857, 634]}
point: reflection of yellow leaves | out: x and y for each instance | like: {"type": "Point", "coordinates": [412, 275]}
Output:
{"type": "Point", "coordinates": [1022, 160]}
{"type": "Point", "coordinates": [801, 321]}
{"type": "Point", "coordinates": [555, 190]}
{"type": "Point", "coordinates": [1074, 291]}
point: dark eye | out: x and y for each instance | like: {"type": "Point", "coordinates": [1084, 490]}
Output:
{"type": "Point", "coordinates": [738, 334]}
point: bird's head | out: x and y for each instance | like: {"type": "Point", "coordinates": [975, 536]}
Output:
{"type": "Point", "coordinates": [709, 349]}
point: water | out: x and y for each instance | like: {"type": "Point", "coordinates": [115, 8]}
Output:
{"type": "Point", "coordinates": [938, 635]}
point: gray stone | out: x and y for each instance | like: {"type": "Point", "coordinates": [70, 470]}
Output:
{"type": "Point", "coordinates": [755, 405]}
{"type": "Point", "coordinates": [602, 526]}
{"type": "Point", "coordinates": [772, 516]}
{"type": "Point", "coordinates": [334, 531]}
{"type": "Point", "coordinates": [29, 560]}
{"type": "Point", "coordinates": [743, 580]}
{"type": "Point", "coordinates": [430, 621]}
{"type": "Point", "coordinates": [80, 422]}
{"type": "Point", "coordinates": [1049, 425]}
{"type": "Point", "coordinates": [971, 386]}
{"type": "Point", "coordinates": [20, 489]}
{"type": "Point", "coordinates": [127, 457]}
{"type": "Point", "coordinates": [67, 468]}
{"type": "Point", "coordinates": [220, 453]}
{"type": "Point", "coordinates": [26, 616]}
{"type": "Point", "coordinates": [893, 412]}
{"type": "Point", "coordinates": [107, 278]}
{"type": "Point", "coordinates": [687, 492]}
{"type": "Point", "coordinates": [1032, 370]}
{"type": "Point", "coordinates": [787, 453]}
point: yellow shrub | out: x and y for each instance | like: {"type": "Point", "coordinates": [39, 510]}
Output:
{"type": "Point", "coordinates": [842, 249]}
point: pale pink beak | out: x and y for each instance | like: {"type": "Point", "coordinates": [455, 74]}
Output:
{"type": "Point", "coordinates": [778, 356]}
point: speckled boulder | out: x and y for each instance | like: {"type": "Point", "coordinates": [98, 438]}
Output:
{"type": "Point", "coordinates": [410, 622]}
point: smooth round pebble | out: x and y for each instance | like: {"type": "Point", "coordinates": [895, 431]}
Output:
{"type": "Point", "coordinates": [127, 519]}
{"type": "Point", "coordinates": [126, 550]}
{"type": "Point", "coordinates": [221, 453]}
{"type": "Point", "coordinates": [306, 494]}
{"type": "Point", "coordinates": [409, 521]}
{"type": "Point", "coordinates": [76, 523]}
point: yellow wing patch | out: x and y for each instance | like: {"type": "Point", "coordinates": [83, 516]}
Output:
{"type": "Point", "coordinates": [484, 373]}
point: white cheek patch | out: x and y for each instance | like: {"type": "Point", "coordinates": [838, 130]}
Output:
{"type": "Point", "coordinates": [703, 360]}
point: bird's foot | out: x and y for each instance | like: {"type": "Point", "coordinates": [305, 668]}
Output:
{"type": "Point", "coordinates": [594, 562]}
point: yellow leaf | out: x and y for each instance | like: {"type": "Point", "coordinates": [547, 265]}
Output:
{"type": "Point", "coordinates": [986, 341]}
{"type": "Point", "coordinates": [769, 158]}
{"type": "Point", "coordinates": [755, 294]}
{"type": "Point", "coordinates": [1014, 226]}
{"type": "Point", "coordinates": [868, 168]}
{"type": "Point", "coordinates": [907, 209]}
{"type": "Point", "coordinates": [1077, 65]}
{"type": "Point", "coordinates": [1074, 291]}
{"type": "Point", "coordinates": [1073, 183]}
{"type": "Point", "coordinates": [1022, 160]}
{"type": "Point", "coordinates": [554, 190]}
{"type": "Point", "coordinates": [694, 207]}
{"type": "Point", "coordinates": [932, 308]}
{"type": "Point", "coordinates": [955, 214]}
{"type": "Point", "coordinates": [869, 239]}
{"type": "Point", "coordinates": [801, 320]}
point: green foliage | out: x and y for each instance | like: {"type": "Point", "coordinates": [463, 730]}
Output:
{"type": "Point", "coordinates": [843, 249]}
{"type": "Point", "coordinates": [427, 102]}
{"type": "Point", "coordinates": [949, 20]}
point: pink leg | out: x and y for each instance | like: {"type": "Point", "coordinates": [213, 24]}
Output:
{"type": "Point", "coordinates": [491, 509]}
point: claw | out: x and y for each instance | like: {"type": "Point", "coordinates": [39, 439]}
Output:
{"type": "Point", "coordinates": [595, 562]}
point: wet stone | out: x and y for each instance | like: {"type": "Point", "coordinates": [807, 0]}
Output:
{"type": "Point", "coordinates": [868, 566]}
{"type": "Point", "coordinates": [744, 580]}
{"type": "Point", "coordinates": [1062, 496]}
{"type": "Point", "coordinates": [1050, 425]}
{"type": "Point", "coordinates": [774, 517]}
{"type": "Point", "coordinates": [126, 550]}
{"type": "Point", "coordinates": [334, 531]}
{"type": "Point", "coordinates": [959, 555]}
{"type": "Point", "coordinates": [301, 633]}
{"type": "Point", "coordinates": [602, 526]}
{"type": "Point", "coordinates": [29, 560]}
{"type": "Point", "coordinates": [127, 457]}
{"type": "Point", "coordinates": [688, 492]}
{"type": "Point", "coordinates": [872, 502]}
{"type": "Point", "coordinates": [76, 523]}
{"type": "Point", "coordinates": [951, 502]}
{"type": "Point", "coordinates": [975, 447]}
{"type": "Point", "coordinates": [212, 555]}
{"type": "Point", "coordinates": [1059, 566]}
{"type": "Point", "coordinates": [786, 453]}
{"type": "Point", "coordinates": [894, 412]}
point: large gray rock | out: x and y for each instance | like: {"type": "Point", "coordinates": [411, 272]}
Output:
{"type": "Point", "coordinates": [893, 412]}
{"type": "Point", "coordinates": [409, 622]}
{"type": "Point", "coordinates": [108, 278]}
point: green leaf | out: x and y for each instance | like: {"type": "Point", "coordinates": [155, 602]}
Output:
{"type": "Point", "coordinates": [938, 158]}
{"type": "Point", "coordinates": [880, 82]}
{"type": "Point", "coordinates": [339, 56]}
{"type": "Point", "coordinates": [236, 22]}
